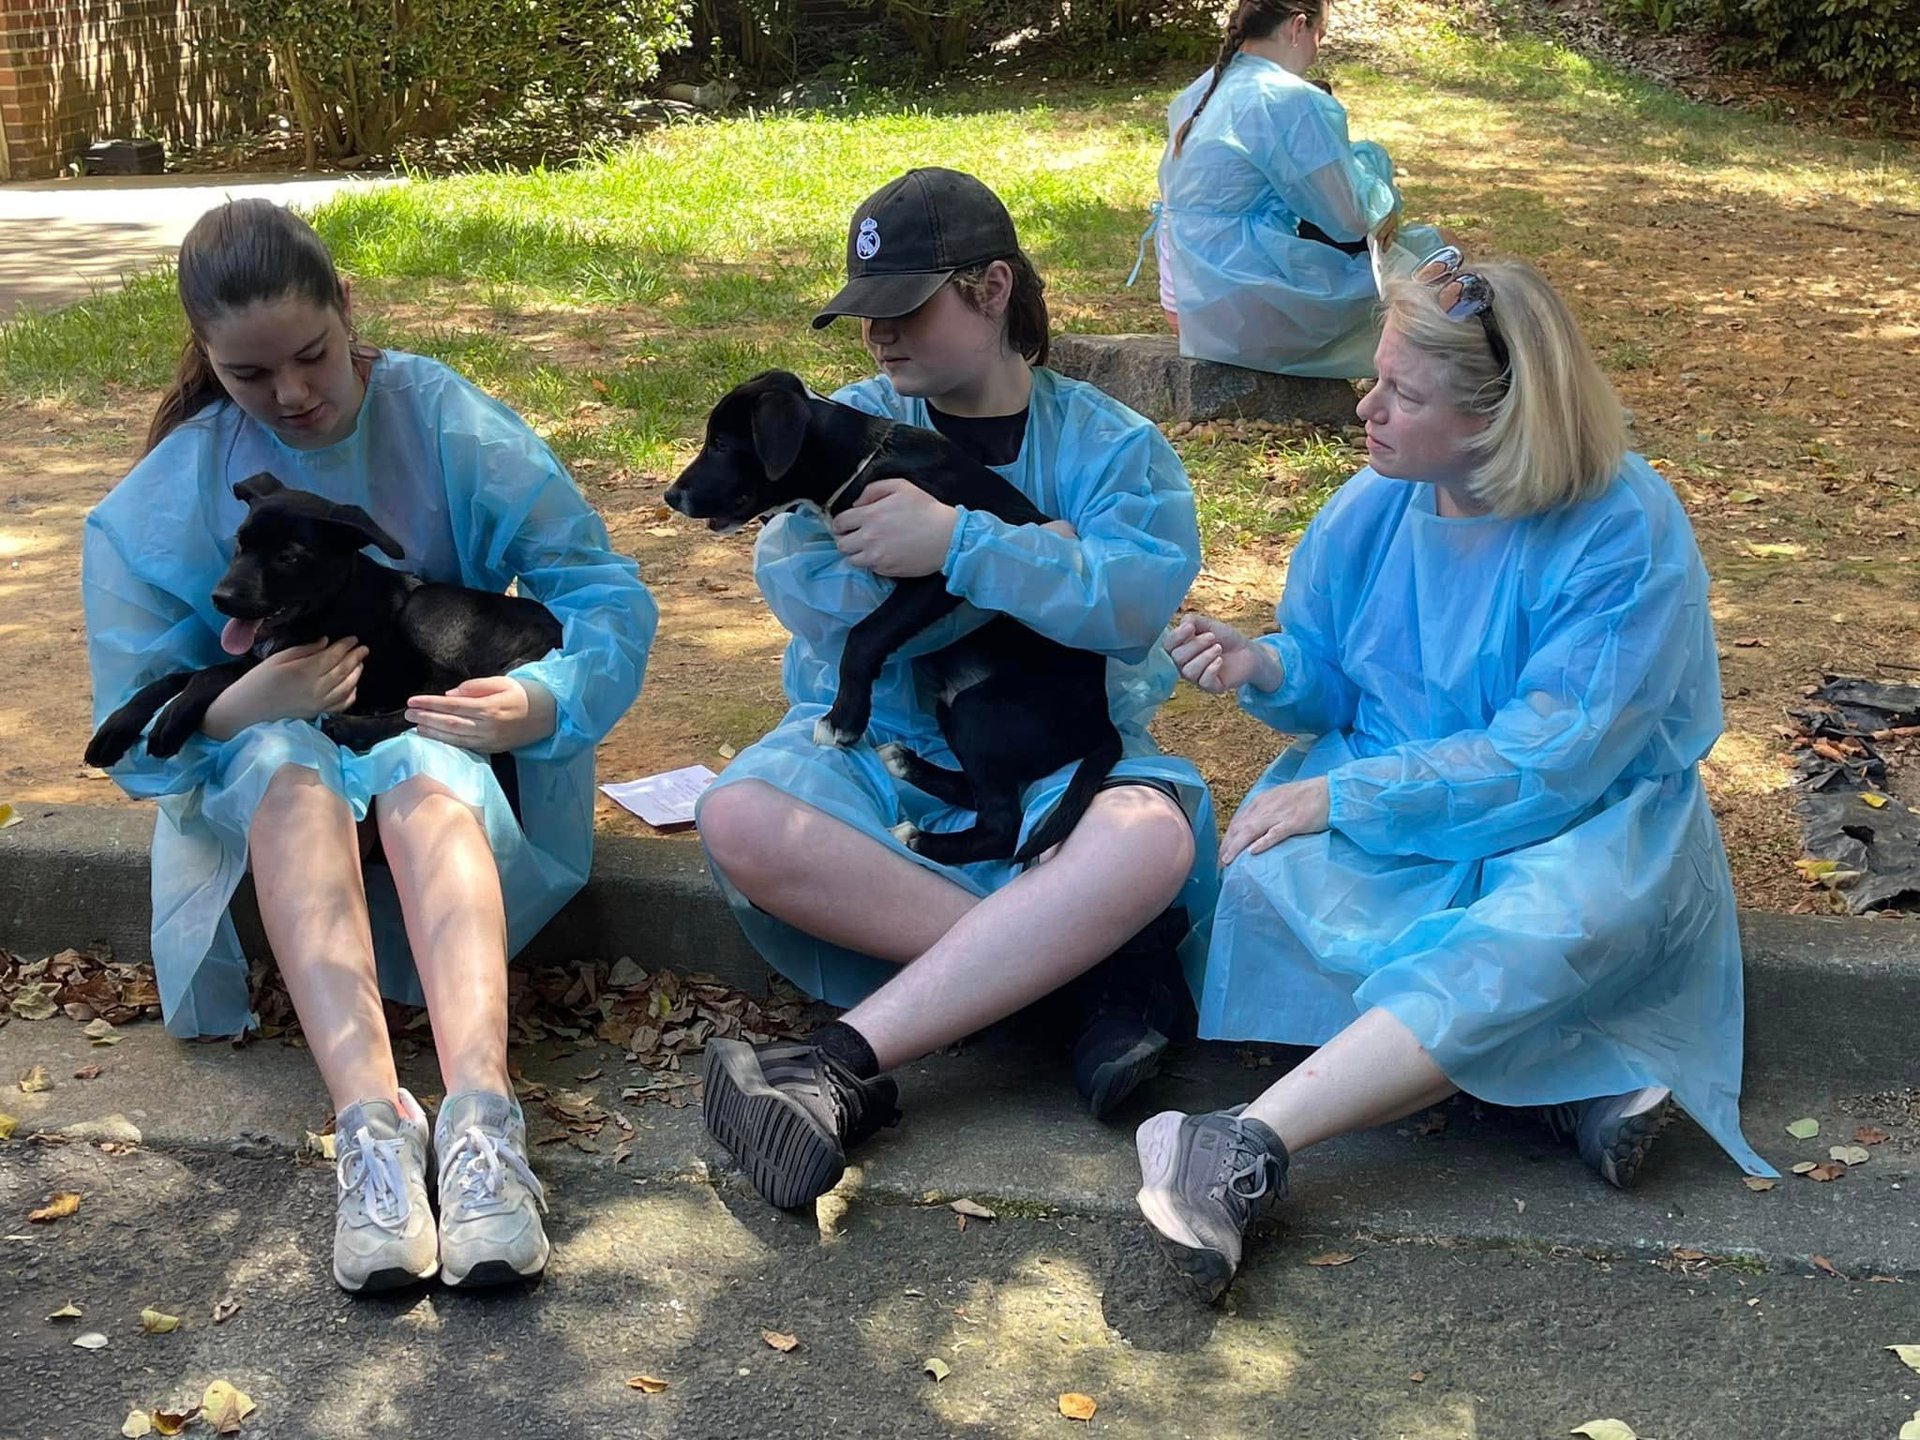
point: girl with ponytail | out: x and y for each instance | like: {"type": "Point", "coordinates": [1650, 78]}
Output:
{"type": "Point", "coordinates": [1266, 206]}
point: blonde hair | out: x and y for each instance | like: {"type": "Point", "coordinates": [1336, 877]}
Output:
{"type": "Point", "coordinates": [1555, 433]}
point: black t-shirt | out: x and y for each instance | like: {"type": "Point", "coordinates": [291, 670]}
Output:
{"type": "Point", "coordinates": [990, 439]}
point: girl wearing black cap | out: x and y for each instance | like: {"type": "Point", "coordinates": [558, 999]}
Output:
{"type": "Point", "coordinates": [800, 835]}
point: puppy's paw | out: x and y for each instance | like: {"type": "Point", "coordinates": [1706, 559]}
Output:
{"type": "Point", "coordinates": [110, 743]}
{"type": "Point", "coordinates": [170, 732]}
{"type": "Point", "coordinates": [908, 834]}
{"type": "Point", "coordinates": [826, 733]}
{"type": "Point", "coordinates": [898, 759]}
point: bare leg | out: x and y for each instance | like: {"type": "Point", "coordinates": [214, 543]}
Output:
{"type": "Point", "coordinates": [826, 878]}
{"type": "Point", "coordinates": [306, 874]}
{"type": "Point", "coordinates": [1371, 1073]}
{"type": "Point", "coordinates": [1173, 320]}
{"type": "Point", "coordinates": [1123, 865]}
{"type": "Point", "coordinates": [449, 887]}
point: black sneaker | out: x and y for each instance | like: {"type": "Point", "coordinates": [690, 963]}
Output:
{"type": "Point", "coordinates": [787, 1111]}
{"type": "Point", "coordinates": [1203, 1180]}
{"type": "Point", "coordinates": [1128, 1006]}
{"type": "Point", "coordinates": [1613, 1132]}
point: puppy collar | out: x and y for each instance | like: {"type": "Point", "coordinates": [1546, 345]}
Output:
{"type": "Point", "coordinates": [858, 471]}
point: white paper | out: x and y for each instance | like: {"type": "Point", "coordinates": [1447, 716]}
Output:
{"type": "Point", "coordinates": [662, 800]}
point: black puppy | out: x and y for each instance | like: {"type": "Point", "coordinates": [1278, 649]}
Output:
{"type": "Point", "coordinates": [297, 576]}
{"type": "Point", "coordinates": [1014, 706]}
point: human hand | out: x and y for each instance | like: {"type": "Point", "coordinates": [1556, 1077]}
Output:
{"type": "Point", "coordinates": [488, 715]}
{"type": "Point", "coordinates": [1218, 658]}
{"type": "Point", "coordinates": [1299, 807]}
{"type": "Point", "coordinates": [896, 529]}
{"type": "Point", "coordinates": [297, 683]}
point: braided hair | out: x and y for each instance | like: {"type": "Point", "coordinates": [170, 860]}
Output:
{"type": "Point", "coordinates": [1251, 20]}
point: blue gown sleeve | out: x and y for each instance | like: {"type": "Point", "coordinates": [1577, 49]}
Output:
{"type": "Point", "coordinates": [138, 631]}
{"type": "Point", "coordinates": [1114, 588]}
{"type": "Point", "coordinates": [1609, 661]}
{"type": "Point", "coordinates": [1315, 695]}
{"type": "Point", "coordinates": [1322, 176]}
{"type": "Point", "coordinates": [527, 521]}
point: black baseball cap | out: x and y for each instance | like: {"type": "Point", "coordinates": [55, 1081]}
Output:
{"type": "Point", "coordinates": [909, 237]}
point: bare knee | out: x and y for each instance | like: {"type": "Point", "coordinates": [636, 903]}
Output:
{"type": "Point", "coordinates": [1145, 835]}
{"type": "Point", "coordinates": [744, 827]}
{"type": "Point", "coordinates": [424, 807]}
{"type": "Point", "coordinates": [296, 798]}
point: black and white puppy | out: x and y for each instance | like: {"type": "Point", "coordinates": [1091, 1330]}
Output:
{"type": "Point", "coordinates": [1013, 705]}
{"type": "Point", "coordinates": [296, 576]}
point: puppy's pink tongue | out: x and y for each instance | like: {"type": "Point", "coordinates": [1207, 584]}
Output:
{"type": "Point", "coordinates": [236, 636]}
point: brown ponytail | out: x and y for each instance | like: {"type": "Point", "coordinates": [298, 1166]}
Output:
{"type": "Point", "coordinates": [1251, 20]}
{"type": "Point", "coordinates": [239, 254]}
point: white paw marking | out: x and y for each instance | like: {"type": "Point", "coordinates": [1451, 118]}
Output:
{"type": "Point", "coordinates": [897, 758]}
{"type": "Point", "coordinates": [907, 833]}
{"type": "Point", "coordinates": [827, 733]}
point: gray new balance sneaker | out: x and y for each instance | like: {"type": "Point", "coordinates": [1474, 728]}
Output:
{"type": "Point", "coordinates": [1613, 1132]}
{"type": "Point", "coordinates": [490, 1200]}
{"type": "Point", "coordinates": [1203, 1180]}
{"type": "Point", "coordinates": [383, 1233]}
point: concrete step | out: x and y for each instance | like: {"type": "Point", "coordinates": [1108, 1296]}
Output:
{"type": "Point", "coordinates": [1149, 374]}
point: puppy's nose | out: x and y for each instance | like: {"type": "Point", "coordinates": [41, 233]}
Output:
{"type": "Point", "coordinates": [223, 599]}
{"type": "Point", "coordinates": [676, 498]}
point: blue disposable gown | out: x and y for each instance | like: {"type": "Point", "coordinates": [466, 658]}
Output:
{"type": "Point", "coordinates": [475, 498]}
{"type": "Point", "coordinates": [1269, 151]}
{"type": "Point", "coordinates": [1086, 459]}
{"type": "Point", "coordinates": [1521, 864]}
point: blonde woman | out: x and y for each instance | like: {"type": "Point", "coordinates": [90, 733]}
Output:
{"type": "Point", "coordinates": [1490, 865]}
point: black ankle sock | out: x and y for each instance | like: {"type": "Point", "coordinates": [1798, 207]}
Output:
{"type": "Point", "coordinates": [848, 1046]}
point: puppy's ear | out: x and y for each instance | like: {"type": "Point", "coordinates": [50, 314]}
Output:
{"type": "Point", "coordinates": [779, 428]}
{"type": "Point", "coordinates": [353, 518]}
{"type": "Point", "coordinates": [257, 487]}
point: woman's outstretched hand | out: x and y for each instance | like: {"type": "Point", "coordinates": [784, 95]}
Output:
{"type": "Point", "coordinates": [1298, 807]}
{"type": "Point", "coordinates": [1218, 658]}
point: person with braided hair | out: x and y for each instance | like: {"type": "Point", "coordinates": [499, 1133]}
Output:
{"type": "Point", "coordinates": [1266, 207]}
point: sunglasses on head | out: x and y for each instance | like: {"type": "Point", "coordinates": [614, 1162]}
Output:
{"type": "Point", "coordinates": [1463, 295]}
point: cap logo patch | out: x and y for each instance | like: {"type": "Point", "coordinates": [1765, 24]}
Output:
{"type": "Point", "coordinates": [866, 242]}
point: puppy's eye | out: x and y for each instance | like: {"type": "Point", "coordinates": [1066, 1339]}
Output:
{"type": "Point", "coordinates": [291, 555]}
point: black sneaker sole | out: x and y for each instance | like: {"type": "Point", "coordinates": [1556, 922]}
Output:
{"type": "Point", "coordinates": [1114, 1080]}
{"type": "Point", "coordinates": [396, 1278]}
{"type": "Point", "coordinates": [785, 1153]}
{"type": "Point", "coordinates": [1619, 1165]}
{"type": "Point", "coordinates": [495, 1272]}
{"type": "Point", "coordinates": [1206, 1270]}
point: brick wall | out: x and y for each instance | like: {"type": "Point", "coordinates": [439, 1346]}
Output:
{"type": "Point", "coordinates": [76, 71]}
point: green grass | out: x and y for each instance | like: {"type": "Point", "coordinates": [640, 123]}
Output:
{"type": "Point", "coordinates": [613, 300]}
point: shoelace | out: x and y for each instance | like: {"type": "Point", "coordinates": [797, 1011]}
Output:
{"type": "Point", "coordinates": [1243, 1162]}
{"type": "Point", "coordinates": [374, 1168]}
{"type": "Point", "coordinates": [479, 1163]}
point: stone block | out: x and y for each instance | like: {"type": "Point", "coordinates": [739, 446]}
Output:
{"type": "Point", "coordinates": [1149, 374]}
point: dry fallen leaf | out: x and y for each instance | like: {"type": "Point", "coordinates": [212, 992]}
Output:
{"type": "Point", "coordinates": [158, 1322]}
{"type": "Point", "coordinates": [223, 1309]}
{"type": "Point", "coordinates": [1804, 1129]}
{"type": "Point", "coordinates": [972, 1208]}
{"type": "Point", "coordinates": [173, 1422]}
{"type": "Point", "coordinates": [1909, 1354]}
{"type": "Point", "coordinates": [1827, 1170]}
{"type": "Point", "coordinates": [1873, 799]}
{"type": "Point", "coordinates": [92, 1340]}
{"type": "Point", "coordinates": [1870, 1135]}
{"type": "Point", "coordinates": [937, 1368]}
{"type": "Point", "coordinates": [1911, 1430]}
{"type": "Point", "coordinates": [101, 1033]}
{"type": "Point", "coordinates": [1804, 1167]}
{"type": "Point", "coordinates": [1826, 1267]}
{"type": "Point", "coordinates": [224, 1408]}
{"type": "Point", "coordinates": [1689, 1255]}
{"type": "Point", "coordinates": [68, 1311]}
{"type": "Point", "coordinates": [1759, 1183]}
{"type": "Point", "coordinates": [7, 1125]}
{"type": "Point", "coordinates": [782, 1343]}
{"type": "Point", "coordinates": [136, 1424]}
{"type": "Point", "coordinates": [59, 1208]}
{"type": "Point", "coordinates": [645, 1384]}
{"type": "Point", "coordinates": [34, 1080]}
{"type": "Point", "coordinates": [1606, 1430]}
{"type": "Point", "coordinates": [1078, 1407]}
{"type": "Point", "coordinates": [1849, 1154]}
{"type": "Point", "coordinates": [1417, 1376]}
{"type": "Point", "coordinates": [9, 817]}
{"type": "Point", "coordinates": [1333, 1257]}
{"type": "Point", "coordinates": [87, 1072]}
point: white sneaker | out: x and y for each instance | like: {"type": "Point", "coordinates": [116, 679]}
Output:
{"type": "Point", "coordinates": [383, 1233]}
{"type": "Point", "coordinates": [490, 1199]}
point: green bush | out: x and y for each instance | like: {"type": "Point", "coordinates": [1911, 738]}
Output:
{"type": "Point", "coordinates": [364, 77]}
{"type": "Point", "coordinates": [1852, 45]}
